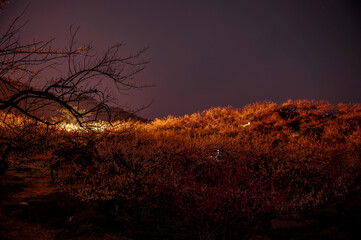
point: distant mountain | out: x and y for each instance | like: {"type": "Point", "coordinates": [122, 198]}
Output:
{"type": "Point", "coordinates": [47, 109]}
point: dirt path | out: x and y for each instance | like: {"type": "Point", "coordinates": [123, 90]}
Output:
{"type": "Point", "coordinates": [31, 207]}
{"type": "Point", "coordinates": [19, 190]}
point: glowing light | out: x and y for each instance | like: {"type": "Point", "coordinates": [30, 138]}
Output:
{"type": "Point", "coordinates": [247, 124]}
{"type": "Point", "coordinates": [77, 128]}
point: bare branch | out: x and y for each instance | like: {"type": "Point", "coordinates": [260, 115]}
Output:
{"type": "Point", "coordinates": [88, 76]}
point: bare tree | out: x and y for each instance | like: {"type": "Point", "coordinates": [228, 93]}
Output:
{"type": "Point", "coordinates": [35, 76]}
{"type": "Point", "coordinates": [88, 75]}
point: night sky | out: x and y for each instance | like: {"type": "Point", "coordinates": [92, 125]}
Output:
{"type": "Point", "coordinates": [209, 53]}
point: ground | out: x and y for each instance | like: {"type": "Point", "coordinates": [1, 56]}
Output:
{"type": "Point", "coordinates": [32, 207]}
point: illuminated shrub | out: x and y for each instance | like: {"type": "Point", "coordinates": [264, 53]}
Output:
{"type": "Point", "coordinates": [267, 163]}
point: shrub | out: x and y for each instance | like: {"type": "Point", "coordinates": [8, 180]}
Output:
{"type": "Point", "coordinates": [267, 163]}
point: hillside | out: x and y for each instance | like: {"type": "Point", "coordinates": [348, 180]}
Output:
{"type": "Point", "coordinates": [264, 171]}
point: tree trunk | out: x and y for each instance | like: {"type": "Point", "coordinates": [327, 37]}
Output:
{"type": "Point", "coordinates": [4, 165]}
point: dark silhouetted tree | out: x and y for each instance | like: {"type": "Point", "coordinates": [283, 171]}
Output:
{"type": "Point", "coordinates": [36, 77]}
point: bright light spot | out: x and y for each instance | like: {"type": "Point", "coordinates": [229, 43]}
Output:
{"type": "Point", "coordinates": [75, 127]}
{"type": "Point", "coordinates": [247, 124]}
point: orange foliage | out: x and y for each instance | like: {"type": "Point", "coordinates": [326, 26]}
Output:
{"type": "Point", "coordinates": [272, 159]}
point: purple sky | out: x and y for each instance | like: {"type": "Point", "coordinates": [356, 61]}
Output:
{"type": "Point", "coordinates": [217, 53]}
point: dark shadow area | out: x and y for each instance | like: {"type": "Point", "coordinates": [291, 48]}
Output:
{"type": "Point", "coordinates": [69, 218]}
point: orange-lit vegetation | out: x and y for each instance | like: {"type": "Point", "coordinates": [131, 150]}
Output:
{"type": "Point", "coordinates": [272, 159]}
